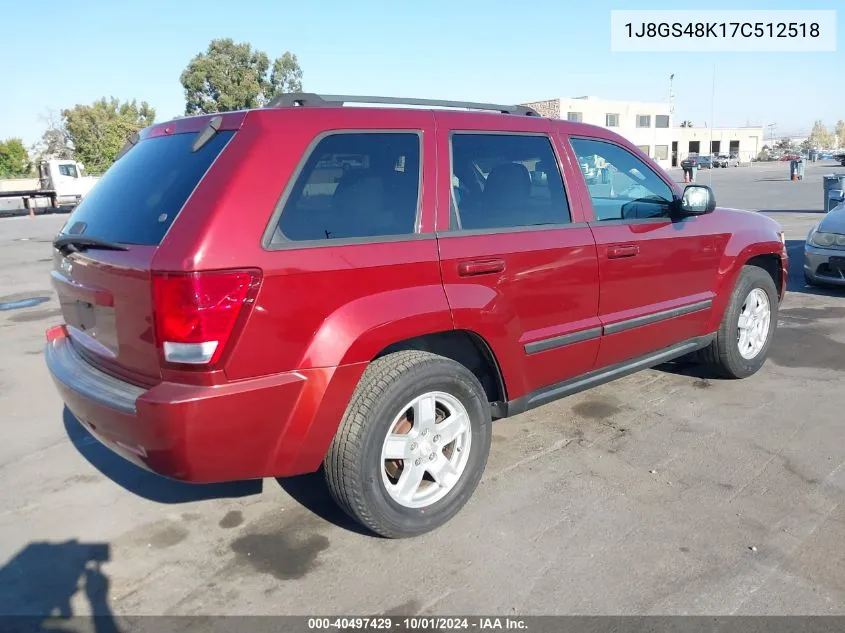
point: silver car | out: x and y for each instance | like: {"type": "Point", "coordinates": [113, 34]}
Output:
{"type": "Point", "coordinates": [824, 251]}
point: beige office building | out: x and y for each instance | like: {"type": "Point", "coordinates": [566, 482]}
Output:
{"type": "Point", "coordinates": [651, 127]}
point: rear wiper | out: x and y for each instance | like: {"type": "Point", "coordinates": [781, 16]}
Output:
{"type": "Point", "coordinates": [77, 243]}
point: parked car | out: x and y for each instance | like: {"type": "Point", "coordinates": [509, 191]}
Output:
{"type": "Point", "coordinates": [705, 162]}
{"type": "Point", "coordinates": [724, 160]}
{"type": "Point", "coordinates": [691, 161]}
{"type": "Point", "coordinates": [238, 306]}
{"type": "Point", "coordinates": [824, 250]}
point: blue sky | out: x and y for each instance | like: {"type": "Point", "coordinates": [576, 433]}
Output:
{"type": "Point", "coordinates": [491, 50]}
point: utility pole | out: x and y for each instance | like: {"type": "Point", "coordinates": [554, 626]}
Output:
{"type": "Point", "coordinates": [671, 95]}
{"type": "Point", "coordinates": [772, 127]}
{"type": "Point", "coordinates": [712, 118]}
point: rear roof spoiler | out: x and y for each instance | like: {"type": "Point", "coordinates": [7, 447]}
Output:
{"type": "Point", "coordinates": [311, 100]}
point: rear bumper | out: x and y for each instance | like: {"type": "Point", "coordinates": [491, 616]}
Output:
{"type": "Point", "coordinates": [278, 425]}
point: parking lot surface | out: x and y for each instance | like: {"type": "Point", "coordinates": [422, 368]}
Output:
{"type": "Point", "coordinates": [668, 492]}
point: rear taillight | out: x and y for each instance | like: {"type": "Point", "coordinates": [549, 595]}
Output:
{"type": "Point", "coordinates": [197, 313]}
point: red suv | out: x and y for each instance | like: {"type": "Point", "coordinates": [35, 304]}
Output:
{"type": "Point", "coordinates": [256, 294]}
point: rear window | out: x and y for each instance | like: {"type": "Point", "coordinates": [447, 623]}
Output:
{"type": "Point", "coordinates": [137, 199]}
{"type": "Point", "coordinates": [355, 185]}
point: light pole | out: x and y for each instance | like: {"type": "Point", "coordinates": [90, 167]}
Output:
{"type": "Point", "coordinates": [772, 127]}
{"type": "Point", "coordinates": [712, 120]}
{"type": "Point", "coordinates": [671, 95]}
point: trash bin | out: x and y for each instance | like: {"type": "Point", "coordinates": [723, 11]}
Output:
{"type": "Point", "coordinates": [799, 168]}
{"type": "Point", "coordinates": [793, 168]}
{"type": "Point", "coordinates": [834, 188]}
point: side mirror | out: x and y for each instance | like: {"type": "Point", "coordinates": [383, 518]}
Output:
{"type": "Point", "coordinates": [697, 200]}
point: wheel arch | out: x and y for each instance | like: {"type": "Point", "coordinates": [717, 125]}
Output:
{"type": "Point", "coordinates": [466, 347]}
{"type": "Point", "coordinates": [772, 263]}
{"type": "Point", "coordinates": [761, 254]}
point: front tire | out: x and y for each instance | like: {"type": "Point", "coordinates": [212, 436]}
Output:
{"type": "Point", "coordinates": [412, 445]}
{"type": "Point", "coordinates": [745, 334]}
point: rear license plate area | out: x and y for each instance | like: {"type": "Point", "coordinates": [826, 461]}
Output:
{"type": "Point", "coordinates": [85, 317]}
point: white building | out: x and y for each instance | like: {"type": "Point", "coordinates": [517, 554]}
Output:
{"type": "Point", "coordinates": [650, 126]}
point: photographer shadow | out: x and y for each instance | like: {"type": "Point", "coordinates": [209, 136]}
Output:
{"type": "Point", "coordinates": [38, 586]}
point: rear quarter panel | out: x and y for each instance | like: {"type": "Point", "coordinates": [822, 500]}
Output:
{"type": "Point", "coordinates": [318, 306]}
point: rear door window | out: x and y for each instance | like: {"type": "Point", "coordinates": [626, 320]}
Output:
{"type": "Point", "coordinates": [504, 181]}
{"type": "Point", "coordinates": [140, 195]}
{"type": "Point", "coordinates": [355, 186]}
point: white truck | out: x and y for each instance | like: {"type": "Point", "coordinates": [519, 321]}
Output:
{"type": "Point", "coordinates": [59, 182]}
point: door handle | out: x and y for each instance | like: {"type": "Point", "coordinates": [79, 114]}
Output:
{"type": "Point", "coordinates": [622, 250]}
{"type": "Point", "coordinates": [480, 267]}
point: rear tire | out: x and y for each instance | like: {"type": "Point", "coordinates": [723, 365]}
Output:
{"type": "Point", "coordinates": [748, 325]}
{"type": "Point", "coordinates": [412, 445]}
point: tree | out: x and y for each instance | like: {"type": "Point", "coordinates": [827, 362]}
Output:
{"type": "Point", "coordinates": [99, 131]}
{"type": "Point", "coordinates": [231, 76]}
{"type": "Point", "coordinates": [54, 142]}
{"type": "Point", "coordinates": [784, 144]}
{"type": "Point", "coordinates": [14, 160]}
{"type": "Point", "coordinates": [840, 133]}
{"type": "Point", "coordinates": [819, 136]}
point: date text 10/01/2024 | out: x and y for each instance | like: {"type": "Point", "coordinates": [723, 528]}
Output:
{"type": "Point", "coordinates": [725, 29]}
{"type": "Point", "coordinates": [418, 623]}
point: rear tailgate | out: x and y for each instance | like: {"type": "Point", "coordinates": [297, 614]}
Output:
{"type": "Point", "coordinates": [105, 301]}
{"type": "Point", "coordinates": [106, 295]}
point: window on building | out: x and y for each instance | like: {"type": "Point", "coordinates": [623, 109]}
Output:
{"type": "Point", "coordinates": [624, 188]}
{"type": "Point", "coordinates": [506, 181]}
{"type": "Point", "coordinates": [644, 149]}
{"type": "Point", "coordinates": [611, 120]}
{"type": "Point", "coordinates": [661, 152]}
{"type": "Point", "coordinates": [355, 185]}
{"type": "Point", "coordinates": [643, 120]}
{"type": "Point", "coordinates": [578, 117]}
{"type": "Point", "coordinates": [661, 120]}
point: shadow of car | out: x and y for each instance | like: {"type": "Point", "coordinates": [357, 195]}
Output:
{"type": "Point", "coordinates": [144, 483]}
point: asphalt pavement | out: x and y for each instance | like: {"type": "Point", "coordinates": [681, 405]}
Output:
{"type": "Point", "coordinates": [668, 492]}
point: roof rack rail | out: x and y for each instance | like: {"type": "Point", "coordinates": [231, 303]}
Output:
{"type": "Point", "coordinates": [307, 99]}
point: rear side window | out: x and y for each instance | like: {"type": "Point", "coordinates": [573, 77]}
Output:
{"type": "Point", "coordinates": [140, 195]}
{"type": "Point", "coordinates": [505, 181]}
{"type": "Point", "coordinates": [355, 185]}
